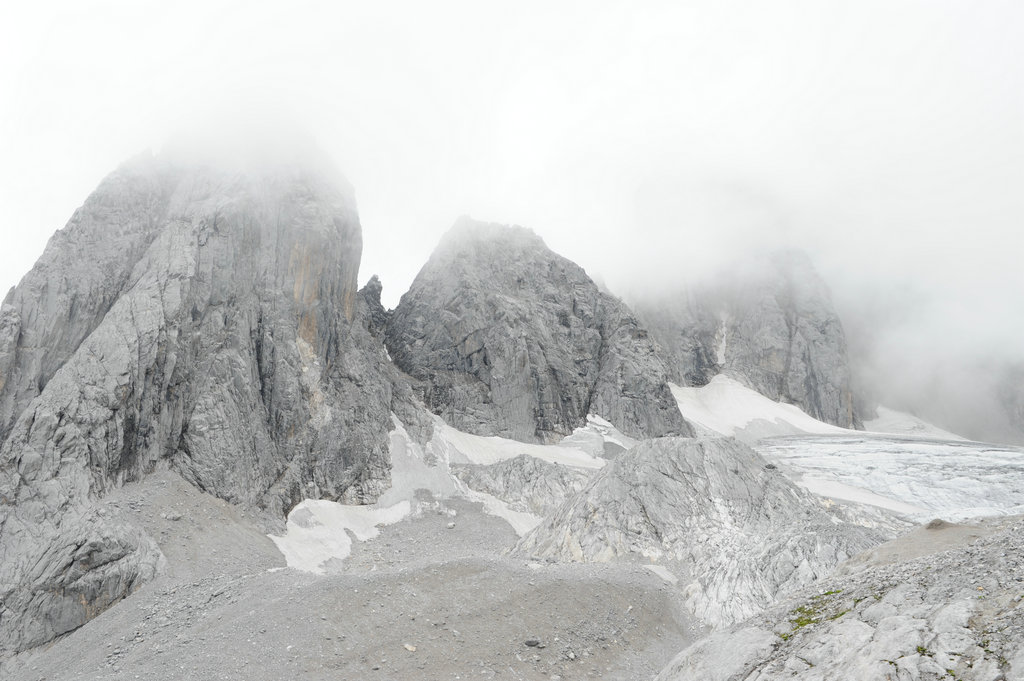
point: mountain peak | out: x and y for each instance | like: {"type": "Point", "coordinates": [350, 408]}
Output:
{"type": "Point", "coordinates": [512, 339]}
{"type": "Point", "coordinates": [470, 234]}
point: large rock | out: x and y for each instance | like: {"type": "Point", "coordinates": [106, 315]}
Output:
{"type": "Point", "coordinates": [771, 325]}
{"type": "Point", "coordinates": [943, 613]}
{"type": "Point", "coordinates": [57, 580]}
{"type": "Point", "coordinates": [188, 316]}
{"type": "Point", "coordinates": [730, 527]}
{"type": "Point", "coordinates": [527, 484]}
{"type": "Point", "coordinates": [507, 338]}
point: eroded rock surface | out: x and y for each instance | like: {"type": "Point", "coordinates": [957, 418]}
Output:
{"type": "Point", "coordinates": [188, 316]}
{"type": "Point", "coordinates": [770, 325]}
{"type": "Point", "coordinates": [526, 483]}
{"type": "Point", "coordinates": [949, 614]}
{"type": "Point", "coordinates": [507, 338]}
{"type": "Point", "coordinates": [732, 528]}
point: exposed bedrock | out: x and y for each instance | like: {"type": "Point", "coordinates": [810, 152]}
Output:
{"type": "Point", "coordinates": [942, 613]}
{"type": "Point", "coordinates": [734, 530]}
{"type": "Point", "coordinates": [188, 316]}
{"type": "Point", "coordinates": [505, 337]}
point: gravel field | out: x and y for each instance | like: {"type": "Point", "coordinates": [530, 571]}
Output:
{"type": "Point", "coordinates": [421, 601]}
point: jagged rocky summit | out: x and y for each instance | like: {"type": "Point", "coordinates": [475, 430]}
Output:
{"type": "Point", "coordinates": [768, 323]}
{"type": "Point", "coordinates": [505, 337]}
{"type": "Point", "coordinates": [193, 317]}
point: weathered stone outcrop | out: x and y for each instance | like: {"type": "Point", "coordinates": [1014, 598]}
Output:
{"type": "Point", "coordinates": [86, 564]}
{"type": "Point", "coordinates": [770, 325]}
{"type": "Point", "coordinates": [730, 527]}
{"type": "Point", "coordinates": [507, 338]}
{"type": "Point", "coordinates": [526, 483]}
{"type": "Point", "coordinates": [83, 271]}
{"type": "Point", "coordinates": [948, 614]}
{"type": "Point", "coordinates": [192, 317]}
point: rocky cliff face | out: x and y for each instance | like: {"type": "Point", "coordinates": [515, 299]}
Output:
{"type": "Point", "coordinates": [730, 527]}
{"type": "Point", "coordinates": [190, 317]}
{"type": "Point", "coordinates": [771, 326]}
{"type": "Point", "coordinates": [507, 338]}
{"type": "Point", "coordinates": [78, 279]}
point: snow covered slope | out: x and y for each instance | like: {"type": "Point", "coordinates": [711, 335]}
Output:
{"type": "Point", "coordinates": [953, 480]}
{"type": "Point", "coordinates": [908, 466]}
{"type": "Point", "coordinates": [726, 407]}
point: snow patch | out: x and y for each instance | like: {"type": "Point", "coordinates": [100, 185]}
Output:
{"type": "Point", "coordinates": [664, 573]}
{"type": "Point", "coordinates": [411, 471]}
{"type": "Point", "coordinates": [317, 533]}
{"type": "Point", "coordinates": [726, 407]}
{"type": "Point", "coordinates": [594, 437]}
{"type": "Point", "coordinates": [520, 521]}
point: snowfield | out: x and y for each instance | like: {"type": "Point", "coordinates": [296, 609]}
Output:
{"type": "Point", "coordinates": [318, 530]}
{"type": "Point", "coordinates": [924, 479]}
{"type": "Point", "coordinates": [727, 407]}
{"type": "Point", "coordinates": [902, 464]}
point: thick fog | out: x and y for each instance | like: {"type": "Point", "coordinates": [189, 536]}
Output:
{"type": "Point", "coordinates": [650, 142]}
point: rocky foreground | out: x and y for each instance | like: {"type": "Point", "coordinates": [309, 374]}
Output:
{"type": "Point", "coordinates": [421, 601]}
{"type": "Point", "coordinates": [926, 606]}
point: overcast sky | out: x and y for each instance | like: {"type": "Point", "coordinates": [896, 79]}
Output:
{"type": "Point", "coordinates": [642, 140]}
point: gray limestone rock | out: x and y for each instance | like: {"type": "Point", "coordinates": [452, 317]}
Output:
{"type": "Point", "coordinates": [197, 317]}
{"type": "Point", "coordinates": [377, 316]}
{"type": "Point", "coordinates": [506, 338]}
{"type": "Point", "coordinates": [771, 325]}
{"type": "Point", "coordinates": [947, 614]}
{"type": "Point", "coordinates": [83, 271]}
{"type": "Point", "coordinates": [526, 483]}
{"type": "Point", "coordinates": [736, 532]}
{"type": "Point", "coordinates": [88, 564]}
